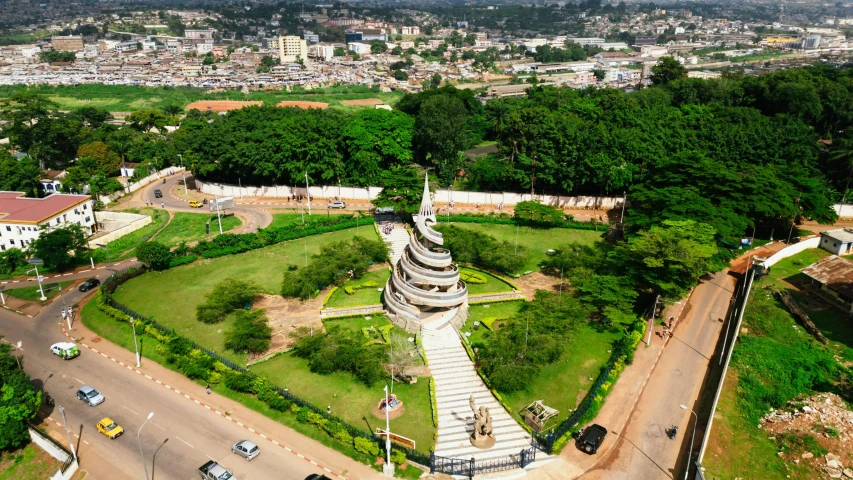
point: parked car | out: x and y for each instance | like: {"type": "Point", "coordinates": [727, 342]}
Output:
{"type": "Point", "coordinates": [66, 350]}
{"type": "Point", "coordinates": [246, 448]}
{"type": "Point", "coordinates": [591, 437]}
{"type": "Point", "coordinates": [109, 428]}
{"type": "Point", "coordinates": [214, 471]}
{"type": "Point", "coordinates": [196, 204]}
{"type": "Point", "coordinates": [317, 476]}
{"type": "Point", "coordinates": [90, 396]}
{"type": "Point", "coordinates": [89, 284]}
{"type": "Point", "coordinates": [338, 204]}
{"type": "Point", "coordinates": [158, 193]}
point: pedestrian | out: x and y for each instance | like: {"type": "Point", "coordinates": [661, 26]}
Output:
{"type": "Point", "coordinates": [63, 314]}
{"type": "Point", "coordinates": [207, 389]}
{"type": "Point", "coordinates": [162, 204]}
{"type": "Point", "coordinates": [665, 331]}
{"type": "Point", "coordinates": [69, 311]}
{"type": "Point", "coordinates": [670, 322]}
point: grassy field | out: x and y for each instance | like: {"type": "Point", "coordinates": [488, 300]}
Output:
{"type": "Point", "coordinates": [562, 384]}
{"type": "Point", "coordinates": [537, 240]}
{"type": "Point", "coordinates": [774, 362]}
{"type": "Point", "coordinates": [32, 294]}
{"type": "Point", "coordinates": [124, 247]}
{"type": "Point", "coordinates": [282, 217]}
{"type": "Point", "coordinates": [362, 296]}
{"type": "Point", "coordinates": [493, 284]}
{"type": "Point", "coordinates": [170, 297]}
{"type": "Point", "coordinates": [27, 463]}
{"type": "Point", "coordinates": [124, 98]}
{"type": "Point", "coordinates": [190, 227]}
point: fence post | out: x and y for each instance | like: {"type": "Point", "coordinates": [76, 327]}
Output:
{"type": "Point", "coordinates": [472, 466]}
{"type": "Point", "coordinates": [431, 462]}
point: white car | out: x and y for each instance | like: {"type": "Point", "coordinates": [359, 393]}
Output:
{"type": "Point", "coordinates": [66, 350]}
{"type": "Point", "coordinates": [338, 204]}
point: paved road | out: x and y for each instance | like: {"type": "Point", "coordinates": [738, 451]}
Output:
{"type": "Point", "coordinates": [195, 434]}
{"type": "Point", "coordinates": [642, 450]}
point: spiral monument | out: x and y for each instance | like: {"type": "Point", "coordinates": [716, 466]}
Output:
{"type": "Point", "coordinates": [425, 283]}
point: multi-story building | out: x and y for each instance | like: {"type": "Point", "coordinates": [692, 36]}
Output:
{"type": "Point", "coordinates": [73, 43]}
{"type": "Point", "coordinates": [359, 48]}
{"type": "Point", "coordinates": [206, 34]}
{"type": "Point", "coordinates": [585, 41]}
{"type": "Point", "coordinates": [23, 219]}
{"type": "Point", "coordinates": [410, 30]}
{"type": "Point", "coordinates": [291, 49]}
{"type": "Point", "coordinates": [125, 47]}
{"type": "Point", "coordinates": [311, 37]}
{"type": "Point", "coordinates": [323, 52]}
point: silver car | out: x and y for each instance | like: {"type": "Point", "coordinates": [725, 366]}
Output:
{"type": "Point", "coordinates": [246, 448]}
{"type": "Point", "coordinates": [90, 396]}
{"type": "Point", "coordinates": [338, 204]}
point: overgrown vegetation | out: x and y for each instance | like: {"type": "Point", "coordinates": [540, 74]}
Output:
{"type": "Point", "coordinates": [250, 332]}
{"type": "Point", "coordinates": [228, 295]}
{"type": "Point", "coordinates": [340, 350]}
{"type": "Point", "coordinates": [19, 401]}
{"type": "Point", "coordinates": [482, 249]}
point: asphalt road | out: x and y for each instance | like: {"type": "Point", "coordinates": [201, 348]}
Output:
{"type": "Point", "coordinates": [195, 434]}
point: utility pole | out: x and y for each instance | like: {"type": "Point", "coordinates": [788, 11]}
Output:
{"type": "Point", "coordinates": [136, 345]}
{"type": "Point", "coordinates": [218, 217]}
{"type": "Point", "coordinates": [307, 193]}
{"type": "Point", "coordinates": [183, 174]}
{"type": "Point", "coordinates": [67, 432]}
{"type": "Point", "coordinates": [388, 468]}
{"type": "Point", "coordinates": [624, 200]}
{"type": "Point", "coordinates": [793, 220]}
{"type": "Point", "coordinates": [652, 321]}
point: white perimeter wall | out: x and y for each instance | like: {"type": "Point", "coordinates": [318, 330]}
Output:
{"type": "Point", "coordinates": [129, 222]}
{"type": "Point", "coordinates": [440, 197]}
{"type": "Point", "coordinates": [790, 250]}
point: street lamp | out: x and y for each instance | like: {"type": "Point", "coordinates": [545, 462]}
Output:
{"type": "Point", "coordinates": [138, 441]}
{"type": "Point", "coordinates": [136, 345]}
{"type": "Point", "coordinates": [690, 451]}
{"type": "Point", "coordinates": [35, 262]}
{"type": "Point", "coordinates": [388, 468]}
{"type": "Point", "coordinates": [183, 173]}
{"type": "Point", "coordinates": [154, 458]}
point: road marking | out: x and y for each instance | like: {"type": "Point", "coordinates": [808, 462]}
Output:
{"type": "Point", "coordinates": [75, 378]}
{"type": "Point", "coordinates": [181, 439]}
{"type": "Point", "coordinates": [108, 396]}
{"type": "Point", "coordinates": [84, 441]}
{"type": "Point", "coordinates": [131, 411]}
{"type": "Point", "coordinates": [158, 426]}
{"type": "Point", "coordinates": [208, 456]}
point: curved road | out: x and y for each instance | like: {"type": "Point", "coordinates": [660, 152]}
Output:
{"type": "Point", "coordinates": [195, 432]}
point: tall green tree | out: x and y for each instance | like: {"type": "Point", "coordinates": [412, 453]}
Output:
{"type": "Point", "coordinates": [376, 141]}
{"type": "Point", "coordinates": [440, 135]}
{"type": "Point", "coordinates": [667, 70]}
{"type": "Point", "coordinates": [19, 175]}
{"type": "Point", "coordinates": [60, 246]}
{"type": "Point", "coordinates": [19, 401]}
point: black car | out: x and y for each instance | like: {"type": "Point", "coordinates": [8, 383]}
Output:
{"type": "Point", "coordinates": [316, 476]}
{"type": "Point", "coordinates": [158, 193]}
{"type": "Point", "coordinates": [89, 284]}
{"type": "Point", "coordinates": [590, 438]}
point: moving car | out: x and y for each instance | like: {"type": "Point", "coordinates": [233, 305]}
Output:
{"type": "Point", "coordinates": [317, 476]}
{"type": "Point", "coordinates": [214, 471]}
{"type": "Point", "coordinates": [246, 448]}
{"type": "Point", "coordinates": [89, 284]}
{"type": "Point", "coordinates": [158, 193]}
{"type": "Point", "coordinates": [90, 396]}
{"type": "Point", "coordinates": [338, 204]}
{"type": "Point", "coordinates": [66, 350]}
{"type": "Point", "coordinates": [195, 204]}
{"type": "Point", "coordinates": [591, 437]}
{"type": "Point", "coordinates": [109, 428]}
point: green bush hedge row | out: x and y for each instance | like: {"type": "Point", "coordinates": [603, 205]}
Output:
{"type": "Point", "coordinates": [505, 219]}
{"type": "Point", "coordinates": [350, 289]}
{"type": "Point", "coordinates": [198, 365]}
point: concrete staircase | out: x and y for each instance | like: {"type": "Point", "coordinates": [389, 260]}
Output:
{"type": "Point", "coordinates": [398, 239]}
{"type": "Point", "coordinates": [455, 381]}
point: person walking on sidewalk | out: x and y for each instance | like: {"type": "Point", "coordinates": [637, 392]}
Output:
{"type": "Point", "coordinates": [670, 322]}
{"type": "Point", "coordinates": [207, 389]}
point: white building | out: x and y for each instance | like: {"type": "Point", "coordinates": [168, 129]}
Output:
{"type": "Point", "coordinates": [322, 52]}
{"type": "Point", "coordinates": [125, 47]}
{"type": "Point", "coordinates": [359, 48]}
{"type": "Point", "coordinates": [291, 49]}
{"type": "Point", "coordinates": [23, 219]}
{"type": "Point", "coordinates": [586, 40]}
{"type": "Point", "coordinates": [204, 48]}
{"type": "Point", "coordinates": [410, 30]}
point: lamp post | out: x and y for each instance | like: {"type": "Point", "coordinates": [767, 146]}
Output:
{"type": "Point", "coordinates": [388, 468]}
{"type": "Point", "coordinates": [308, 193]}
{"type": "Point", "coordinates": [67, 432]}
{"type": "Point", "coordinates": [690, 451]}
{"type": "Point", "coordinates": [135, 344]}
{"type": "Point", "coordinates": [139, 442]}
{"type": "Point", "coordinates": [35, 262]}
{"type": "Point", "coordinates": [183, 173]}
{"type": "Point", "coordinates": [624, 200]}
{"type": "Point", "coordinates": [154, 458]}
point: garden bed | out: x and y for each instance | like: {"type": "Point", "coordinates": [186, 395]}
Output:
{"type": "Point", "coordinates": [365, 291]}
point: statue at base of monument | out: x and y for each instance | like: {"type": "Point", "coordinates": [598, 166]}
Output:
{"type": "Point", "coordinates": [483, 436]}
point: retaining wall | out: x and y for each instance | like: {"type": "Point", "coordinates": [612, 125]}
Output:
{"type": "Point", "coordinates": [55, 450]}
{"type": "Point", "coordinates": [121, 224]}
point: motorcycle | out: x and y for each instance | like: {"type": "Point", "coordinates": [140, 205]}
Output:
{"type": "Point", "coordinates": [672, 432]}
{"type": "Point", "coordinates": [48, 399]}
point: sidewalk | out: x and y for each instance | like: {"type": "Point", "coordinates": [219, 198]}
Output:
{"type": "Point", "coordinates": [620, 403]}
{"type": "Point", "coordinates": [264, 428]}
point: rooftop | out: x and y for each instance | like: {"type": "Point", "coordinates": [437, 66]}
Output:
{"type": "Point", "coordinates": [16, 208]}
{"type": "Point", "coordinates": [834, 272]}
{"type": "Point", "coordinates": [840, 234]}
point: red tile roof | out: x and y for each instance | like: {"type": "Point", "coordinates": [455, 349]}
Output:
{"type": "Point", "coordinates": [16, 208]}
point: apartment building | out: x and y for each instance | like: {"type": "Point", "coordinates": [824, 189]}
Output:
{"type": "Point", "coordinates": [410, 30]}
{"type": "Point", "coordinates": [291, 48]}
{"type": "Point", "coordinates": [72, 43]}
{"type": "Point", "coordinates": [125, 47]}
{"type": "Point", "coordinates": [206, 34]}
{"type": "Point", "coordinates": [23, 219]}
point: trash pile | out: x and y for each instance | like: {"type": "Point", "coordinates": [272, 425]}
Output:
{"type": "Point", "coordinates": [826, 419]}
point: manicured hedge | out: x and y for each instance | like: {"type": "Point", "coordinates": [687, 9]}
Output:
{"type": "Point", "coordinates": [504, 219]}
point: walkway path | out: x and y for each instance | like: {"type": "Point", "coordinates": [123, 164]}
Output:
{"type": "Point", "coordinates": [455, 381]}
{"type": "Point", "coordinates": [397, 239]}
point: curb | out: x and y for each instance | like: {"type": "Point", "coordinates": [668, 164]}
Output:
{"type": "Point", "coordinates": [208, 407]}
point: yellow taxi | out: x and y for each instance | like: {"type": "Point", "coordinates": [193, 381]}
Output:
{"type": "Point", "coordinates": [195, 204]}
{"type": "Point", "coordinates": [110, 428]}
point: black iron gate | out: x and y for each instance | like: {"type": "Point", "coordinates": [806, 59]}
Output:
{"type": "Point", "coordinates": [469, 468]}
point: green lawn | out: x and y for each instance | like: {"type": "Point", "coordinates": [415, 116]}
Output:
{"type": "Point", "coordinates": [493, 284]}
{"type": "Point", "coordinates": [117, 332]}
{"type": "Point", "coordinates": [537, 240]}
{"type": "Point", "coordinates": [27, 463]}
{"type": "Point", "coordinates": [500, 310]}
{"type": "Point", "coordinates": [362, 296]}
{"type": "Point", "coordinates": [282, 217]}
{"type": "Point", "coordinates": [32, 294]}
{"type": "Point", "coordinates": [124, 247]}
{"type": "Point", "coordinates": [770, 346]}
{"type": "Point", "coordinates": [170, 297]}
{"type": "Point", "coordinates": [190, 227]}
{"type": "Point", "coordinates": [352, 400]}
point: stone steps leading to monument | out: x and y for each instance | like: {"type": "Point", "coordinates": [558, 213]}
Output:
{"type": "Point", "coordinates": [397, 239]}
{"type": "Point", "coordinates": [456, 381]}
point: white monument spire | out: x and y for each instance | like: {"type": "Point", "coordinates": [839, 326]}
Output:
{"type": "Point", "coordinates": [426, 212]}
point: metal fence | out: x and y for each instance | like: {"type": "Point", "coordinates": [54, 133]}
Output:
{"type": "Point", "coordinates": [126, 274]}
{"type": "Point", "coordinates": [469, 468]}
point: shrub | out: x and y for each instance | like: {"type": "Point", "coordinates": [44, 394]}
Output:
{"type": "Point", "coordinates": [278, 403]}
{"type": "Point", "coordinates": [341, 351]}
{"type": "Point", "coordinates": [483, 249]}
{"type": "Point", "coordinates": [398, 457]}
{"type": "Point", "coordinates": [227, 296]}
{"type": "Point", "coordinates": [333, 264]}
{"type": "Point", "coordinates": [155, 255]}
{"type": "Point", "coordinates": [365, 446]}
{"type": "Point", "coordinates": [343, 436]}
{"type": "Point", "coordinates": [473, 277]}
{"type": "Point", "coordinates": [249, 333]}
{"type": "Point", "coordinates": [184, 260]}
{"type": "Point", "coordinates": [302, 415]}
{"type": "Point", "coordinates": [349, 290]}
{"type": "Point", "coordinates": [239, 382]}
